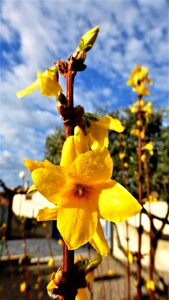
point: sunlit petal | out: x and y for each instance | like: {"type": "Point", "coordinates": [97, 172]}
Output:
{"type": "Point", "coordinates": [116, 204]}
{"type": "Point", "coordinates": [28, 90]}
{"type": "Point", "coordinates": [77, 218]}
{"type": "Point", "coordinates": [47, 214]}
{"type": "Point", "coordinates": [99, 241]}
{"type": "Point", "coordinates": [92, 166]}
{"type": "Point", "coordinates": [68, 152]}
{"type": "Point", "coordinates": [50, 181]}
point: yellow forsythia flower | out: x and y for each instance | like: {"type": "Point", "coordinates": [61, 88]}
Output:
{"type": "Point", "coordinates": [82, 189]}
{"type": "Point", "coordinates": [23, 287]}
{"type": "Point", "coordinates": [138, 132]}
{"type": "Point", "coordinates": [138, 79]}
{"type": "Point", "coordinates": [121, 155]}
{"type": "Point", "coordinates": [96, 133]}
{"type": "Point", "coordinates": [143, 157]}
{"type": "Point", "coordinates": [153, 197]}
{"type": "Point", "coordinates": [51, 262]}
{"type": "Point", "coordinates": [47, 82]}
{"type": "Point", "coordinates": [126, 165]}
{"type": "Point", "coordinates": [130, 257]}
{"type": "Point", "coordinates": [149, 147]}
{"type": "Point", "coordinates": [150, 285]}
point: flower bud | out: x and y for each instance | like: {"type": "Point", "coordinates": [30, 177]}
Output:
{"type": "Point", "coordinates": [88, 39]}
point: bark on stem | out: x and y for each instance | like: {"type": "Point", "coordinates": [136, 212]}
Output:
{"type": "Point", "coordinates": [150, 230]}
{"type": "Point", "coordinates": [68, 255]}
{"type": "Point", "coordinates": [140, 228]}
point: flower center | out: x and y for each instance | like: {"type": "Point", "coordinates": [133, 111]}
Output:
{"type": "Point", "coordinates": [80, 190]}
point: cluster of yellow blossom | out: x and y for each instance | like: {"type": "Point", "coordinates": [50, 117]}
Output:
{"type": "Point", "coordinates": [81, 186]}
{"type": "Point", "coordinates": [138, 79]}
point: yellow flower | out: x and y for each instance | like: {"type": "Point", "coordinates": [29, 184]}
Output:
{"type": "Point", "coordinates": [51, 262]}
{"type": "Point", "coordinates": [141, 89]}
{"type": "Point", "coordinates": [82, 190]}
{"type": "Point", "coordinates": [130, 257]}
{"type": "Point", "coordinates": [23, 287]}
{"type": "Point", "coordinates": [139, 74]}
{"type": "Point", "coordinates": [138, 79]}
{"type": "Point", "coordinates": [149, 147]}
{"type": "Point", "coordinates": [126, 165]}
{"type": "Point", "coordinates": [96, 133]}
{"type": "Point", "coordinates": [138, 132]}
{"type": "Point", "coordinates": [121, 155]}
{"type": "Point", "coordinates": [150, 285]}
{"type": "Point", "coordinates": [143, 157]}
{"type": "Point", "coordinates": [47, 82]}
{"type": "Point", "coordinates": [153, 197]}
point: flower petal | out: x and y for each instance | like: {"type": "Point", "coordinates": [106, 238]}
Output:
{"type": "Point", "coordinates": [77, 218]}
{"type": "Point", "coordinates": [92, 166]}
{"type": "Point", "coordinates": [49, 85]}
{"type": "Point", "coordinates": [81, 141]}
{"type": "Point", "coordinates": [116, 204]}
{"type": "Point", "coordinates": [99, 241]}
{"type": "Point", "coordinates": [47, 214]}
{"type": "Point", "coordinates": [81, 294]}
{"type": "Point", "coordinates": [110, 123]}
{"type": "Point", "coordinates": [28, 90]}
{"type": "Point", "coordinates": [98, 136]}
{"type": "Point", "coordinates": [50, 181]}
{"type": "Point", "coordinates": [33, 164]}
{"type": "Point", "coordinates": [68, 152]}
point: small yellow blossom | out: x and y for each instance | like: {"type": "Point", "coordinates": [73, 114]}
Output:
{"type": "Point", "coordinates": [121, 155]}
{"type": "Point", "coordinates": [149, 148]}
{"type": "Point", "coordinates": [110, 272]}
{"type": "Point", "coordinates": [96, 133]}
{"type": "Point", "coordinates": [138, 132]}
{"type": "Point", "coordinates": [47, 82]}
{"type": "Point", "coordinates": [130, 257]}
{"type": "Point", "coordinates": [143, 157]}
{"type": "Point", "coordinates": [60, 242]}
{"type": "Point", "coordinates": [138, 79]}
{"type": "Point", "coordinates": [82, 190]}
{"type": "Point", "coordinates": [139, 123]}
{"type": "Point", "coordinates": [51, 262]}
{"type": "Point", "coordinates": [126, 165]}
{"type": "Point", "coordinates": [23, 287]}
{"type": "Point", "coordinates": [150, 285]}
{"type": "Point", "coordinates": [153, 197]}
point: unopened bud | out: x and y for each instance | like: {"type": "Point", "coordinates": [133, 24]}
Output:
{"type": "Point", "coordinates": [88, 39]}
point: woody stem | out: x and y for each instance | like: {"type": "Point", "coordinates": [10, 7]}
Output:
{"type": "Point", "coordinates": [68, 255]}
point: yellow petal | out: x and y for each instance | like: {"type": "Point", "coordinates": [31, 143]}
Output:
{"type": "Point", "coordinates": [77, 218]}
{"type": "Point", "coordinates": [50, 180]}
{"type": "Point", "coordinates": [98, 136]}
{"type": "Point", "coordinates": [81, 294]}
{"type": "Point", "coordinates": [92, 166]}
{"type": "Point", "coordinates": [110, 123]}
{"type": "Point", "coordinates": [68, 152]}
{"type": "Point", "coordinates": [49, 85]}
{"type": "Point", "coordinates": [29, 89]}
{"type": "Point", "coordinates": [32, 189]}
{"type": "Point", "coordinates": [33, 164]}
{"type": "Point", "coordinates": [99, 241]}
{"type": "Point", "coordinates": [47, 214]}
{"type": "Point", "coordinates": [81, 141]}
{"type": "Point", "coordinates": [116, 204]}
{"type": "Point", "coordinates": [150, 285]}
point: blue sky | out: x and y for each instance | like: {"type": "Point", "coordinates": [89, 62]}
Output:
{"type": "Point", "coordinates": [35, 33]}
